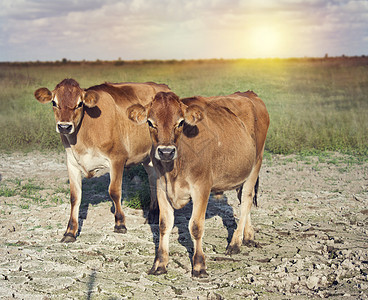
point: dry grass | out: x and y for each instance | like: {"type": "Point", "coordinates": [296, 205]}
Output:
{"type": "Point", "coordinates": [314, 104]}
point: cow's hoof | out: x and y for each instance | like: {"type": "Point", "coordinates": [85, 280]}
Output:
{"type": "Point", "coordinates": [120, 229]}
{"type": "Point", "coordinates": [200, 274]}
{"type": "Point", "coordinates": [232, 249]}
{"type": "Point", "coordinates": [68, 238]}
{"type": "Point", "coordinates": [158, 271]}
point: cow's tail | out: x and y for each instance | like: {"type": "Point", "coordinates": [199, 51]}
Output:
{"type": "Point", "coordinates": [255, 193]}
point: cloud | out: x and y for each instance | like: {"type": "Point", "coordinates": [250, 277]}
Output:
{"type": "Point", "coordinates": [34, 9]}
{"type": "Point", "coordinates": [145, 29]}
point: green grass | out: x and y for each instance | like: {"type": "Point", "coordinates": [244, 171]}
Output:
{"type": "Point", "coordinates": [138, 197]}
{"type": "Point", "coordinates": [29, 192]}
{"type": "Point", "coordinates": [24, 206]}
{"type": "Point", "coordinates": [7, 192]}
{"type": "Point", "coordinates": [314, 104]}
{"type": "Point", "coordinates": [95, 190]}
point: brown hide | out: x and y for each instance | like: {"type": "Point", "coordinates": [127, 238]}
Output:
{"type": "Point", "coordinates": [246, 106]}
{"type": "Point", "coordinates": [97, 134]}
{"type": "Point", "coordinates": [220, 147]}
{"type": "Point", "coordinates": [107, 127]}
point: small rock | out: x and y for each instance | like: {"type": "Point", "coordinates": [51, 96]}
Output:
{"type": "Point", "coordinates": [299, 264]}
{"type": "Point", "coordinates": [324, 281]}
{"type": "Point", "coordinates": [312, 282]}
{"type": "Point", "coordinates": [347, 263]}
{"type": "Point", "coordinates": [255, 269]}
{"type": "Point", "coordinates": [247, 293]}
{"type": "Point", "coordinates": [144, 282]}
{"type": "Point", "coordinates": [94, 264]}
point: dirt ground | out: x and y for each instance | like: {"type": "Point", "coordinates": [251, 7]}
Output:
{"type": "Point", "coordinates": [311, 236]}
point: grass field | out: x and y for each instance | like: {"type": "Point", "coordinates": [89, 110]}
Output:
{"type": "Point", "coordinates": [314, 104]}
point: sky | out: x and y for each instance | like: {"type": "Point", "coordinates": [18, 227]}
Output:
{"type": "Point", "coordinates": [47, 30]}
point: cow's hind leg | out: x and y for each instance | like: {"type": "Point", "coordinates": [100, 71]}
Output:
{"type": "Point", "coordinates": [75, 179]}
{"type": "Point", "coordinates": [116, 178]}
{"type": "Point", "coordinates": [245, 232]}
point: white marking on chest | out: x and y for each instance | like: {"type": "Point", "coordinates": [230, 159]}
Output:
{"type": "Point", "coordinates": [92, 162]}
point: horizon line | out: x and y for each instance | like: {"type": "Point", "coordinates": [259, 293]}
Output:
{"type": "Point", "coordinates": [122, 61]}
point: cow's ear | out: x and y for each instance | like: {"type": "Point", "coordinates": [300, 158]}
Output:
{"type": "Point", "coordinates": [193, 114]}
{"type": "Point", "coordinates": [43, 95]}
{"type": "Point", "coordinates": [137, 113]}
{"type": "Point", "coordinates": [90, 98]}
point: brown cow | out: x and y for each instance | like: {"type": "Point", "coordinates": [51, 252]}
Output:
{"type": "Point", "coordinates": [201, 145]}
{"type": "Point", "coordinates": [97, 134]}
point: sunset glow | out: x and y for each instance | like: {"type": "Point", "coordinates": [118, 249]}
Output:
{"type": "Point", "coordinates": [167, 29]}
{"type": "Point", "coordinates": [264, 42]}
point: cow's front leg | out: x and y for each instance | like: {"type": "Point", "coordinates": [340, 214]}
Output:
{"type": "Point", "coordinates": [196, 228]}
{"type": "Point", "coordinates": [75, 179]}
{"type": "Point", "coordinates": [166, 223]}
{"type": "Point", "coordinates": [153, 214]}
{"type": "Point", "coordinates": [116, 178]}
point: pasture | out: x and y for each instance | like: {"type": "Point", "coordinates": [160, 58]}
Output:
{"type": "Point", "coordinates": [314, 104]}
{"type": "Point", "coordinates": [311, 222]}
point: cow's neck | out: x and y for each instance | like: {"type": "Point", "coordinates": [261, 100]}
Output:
{"type": "Point", "coordinates": [165, 167]}
{"type": "Point", "coordinates": [71, 138]}
{"type": "Point", "coordinates": [169, 170]}
{"type": "Point", "coordinates": [173, 183]}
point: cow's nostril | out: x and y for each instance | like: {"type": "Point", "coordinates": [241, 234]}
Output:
{"type": "Point", "coordinates": [65, 128]}
{"type": "Point", "coordinates": [172, 153]}
{"type": "Point", "coordinates": [166, 153]}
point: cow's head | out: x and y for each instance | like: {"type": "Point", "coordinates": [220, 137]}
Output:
{"type": "Point", "coordinates": [68, 101]}
{"type": "Point", "coordinates": [166, 116]}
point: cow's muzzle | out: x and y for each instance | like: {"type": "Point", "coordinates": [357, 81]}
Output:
{"type": "Point", "coordinates": [64, 128]}
{"type": "Point", "coordinates": [166, 153]}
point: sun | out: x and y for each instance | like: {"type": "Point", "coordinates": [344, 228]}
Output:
{"type": "Point", "coordinates": [264, 41]}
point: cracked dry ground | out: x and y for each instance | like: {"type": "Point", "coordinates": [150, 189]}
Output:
{"type": "Point", "coordinates": [311, 237]}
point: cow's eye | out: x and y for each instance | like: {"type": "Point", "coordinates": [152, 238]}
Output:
{"type": "Point", "coordinates": [181, 124]}
{"type": "Point", "coordinates": [150, 124]}
{"type": "Point", "coordinates": [80, 104]}
{"type": "Point", "coordinates": [54, 103]}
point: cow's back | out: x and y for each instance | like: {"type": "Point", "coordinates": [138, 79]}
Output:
{"type": "Point", "coordinates": [128, 93]}
{"type": "Point", "coordinates": [247, 106]}
{"type": "Point", "coordinates": [252, 111]}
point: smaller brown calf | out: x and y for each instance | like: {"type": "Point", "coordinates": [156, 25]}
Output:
{"type": "Point", "coordinates": [201, 145]}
